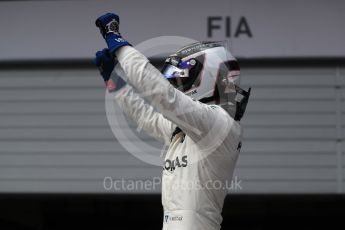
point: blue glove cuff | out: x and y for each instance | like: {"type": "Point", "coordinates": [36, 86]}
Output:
{"type": "Point", "coordinates": [105, 63]}
{"type": "Point", "coordinates": [115, 42]}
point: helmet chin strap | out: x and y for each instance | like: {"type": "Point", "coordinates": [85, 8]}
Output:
{"type": "Point", "coordinates": [242, 98]}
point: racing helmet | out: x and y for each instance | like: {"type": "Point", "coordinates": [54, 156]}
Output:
{"type": "Point", "coordinates": [207, 72]}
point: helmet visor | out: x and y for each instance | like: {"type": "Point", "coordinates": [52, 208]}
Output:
{"type": "Point", "coordinates": [170, 71]}
{"type": "Point", "coordinates": [179, 76]}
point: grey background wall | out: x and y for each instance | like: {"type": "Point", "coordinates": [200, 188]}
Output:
{"type": "Point", "coordinates": [266, 28]}
{"type": "Point", "coordinates": [54, 134]}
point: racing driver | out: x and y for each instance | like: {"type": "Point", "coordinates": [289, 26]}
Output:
{"type": "Point", "coordinates": [194, 106]}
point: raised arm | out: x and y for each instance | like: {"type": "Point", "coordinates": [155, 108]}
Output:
{"type": "Point", "coordinates": [130, 102]}
{"type": "Point", "coordinates": [191, 116]}
{"type": "Point", "coordinates": [152, 122]}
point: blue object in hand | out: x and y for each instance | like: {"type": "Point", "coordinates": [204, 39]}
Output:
{"type": "Point", "coordinates": [108, 24]}
{"type": "Point", "coordinates": [106, 62]}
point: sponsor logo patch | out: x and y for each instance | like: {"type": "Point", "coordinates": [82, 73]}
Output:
{"type": "Point", "coordinates": [169, 218]}
{"type": "Point", "coordinates": [171, 165]}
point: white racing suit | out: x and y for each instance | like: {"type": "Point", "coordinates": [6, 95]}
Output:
{"type": "Point", "coordinates": [200, 160]}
